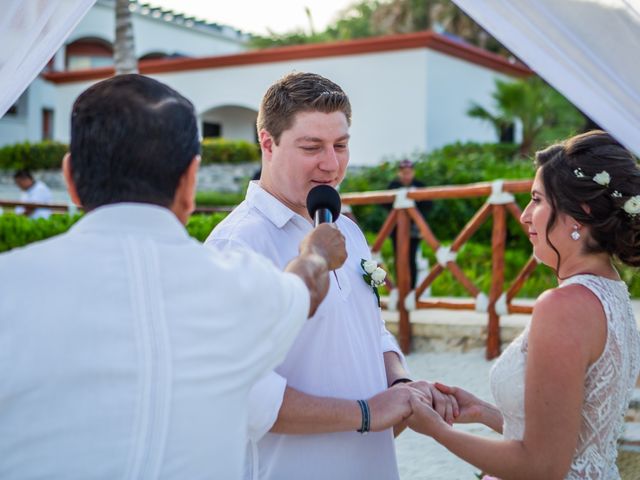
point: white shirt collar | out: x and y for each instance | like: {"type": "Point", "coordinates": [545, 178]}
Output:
{"type": "Point", "coordinates": [272, 208]}
{"type": "Point", "coordinates": [140, 218]}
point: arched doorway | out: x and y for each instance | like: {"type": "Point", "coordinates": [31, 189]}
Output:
{"type": "Point", "coordinates": [87, 53]}
{"type": "Point", "coordinates": [229, 121]}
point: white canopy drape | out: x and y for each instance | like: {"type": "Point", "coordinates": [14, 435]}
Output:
{"type": "Point", "coordinates": [31, 31]}
{"type": "Point", "coordinates": [587, 49]}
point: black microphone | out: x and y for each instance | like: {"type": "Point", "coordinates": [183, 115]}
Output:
{"type": "Point", "coordinates": [323, 204]}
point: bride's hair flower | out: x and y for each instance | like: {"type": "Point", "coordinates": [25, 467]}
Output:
{"type": "Point", "coordinates": [632, 206]}
{"type": "Point", "coordinates": [603, 178]}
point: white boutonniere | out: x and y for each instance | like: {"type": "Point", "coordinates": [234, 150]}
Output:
{"type": "Point", "coordinates": [373, 275]}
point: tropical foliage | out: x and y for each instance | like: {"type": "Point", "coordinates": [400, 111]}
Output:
{"type": "Point", "coordinates": [455, 164]}
{"type": "Point", "coordinates": [367, 18]}
{"type": "Point", "coordinates": [543, 114]}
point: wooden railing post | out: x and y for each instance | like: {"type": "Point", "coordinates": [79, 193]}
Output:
{"type": "Point", "coordinates": [498, 240]}
{"type": "Point", "coordinates": [403, 279]}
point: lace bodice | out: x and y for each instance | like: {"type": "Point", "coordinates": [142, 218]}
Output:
{"type": "Point", "coordinates": [609, 382]}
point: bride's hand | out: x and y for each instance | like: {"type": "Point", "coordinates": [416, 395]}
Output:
{"type": "Point", "coordinates": [471, 407]}
{"type": "Point", "coordinates": [424, 418]}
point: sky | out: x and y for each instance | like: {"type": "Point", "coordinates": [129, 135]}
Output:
{"type": "Point", "coordinates": [260, 16]}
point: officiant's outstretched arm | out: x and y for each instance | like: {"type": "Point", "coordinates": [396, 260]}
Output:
{"type": "Point", "coordinates": [563, 386]}
{"type": "Point", "coordinates": [344, 376]}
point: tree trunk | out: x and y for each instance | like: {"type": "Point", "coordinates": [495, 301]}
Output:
{"type": "Point", "coordinates": [124, 52]}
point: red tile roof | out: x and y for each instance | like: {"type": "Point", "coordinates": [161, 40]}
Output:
{"type": "Point", "coordinates": [429, 40]}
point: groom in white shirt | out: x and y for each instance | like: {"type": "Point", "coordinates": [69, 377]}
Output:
{"type": "Point", "coordinates": [307, 418]}
{"type": "Point", "coordinates": [120, 353]}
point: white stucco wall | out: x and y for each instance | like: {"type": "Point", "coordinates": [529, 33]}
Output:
{"type": "Point", "coordinates": [14, 127]}
{"type": "Point", "coordinates": [27, 124]}
{"type": "Point", "coordinates": [151, 34]}
{"type": "Point", "coordinates": [387, 93]}
{"type": "Point", "coordinates": [452, 86]}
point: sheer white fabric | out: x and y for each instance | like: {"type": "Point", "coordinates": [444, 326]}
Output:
{"type": "Point", "coordinates": [584, 48]}
{"type": "Point", "coordinates": [31, 31]}
{"type": "Point", "coordinates": [608, 384]}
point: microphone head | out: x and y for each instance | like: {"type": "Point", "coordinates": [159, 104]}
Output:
{"type": "Point", "coordinates": [324, 196]}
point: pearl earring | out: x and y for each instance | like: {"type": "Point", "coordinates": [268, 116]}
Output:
{"type": "Point", "coordinates": [575, 235]}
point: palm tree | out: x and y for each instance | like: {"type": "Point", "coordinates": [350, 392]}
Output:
{"type": "Point", "coordinates": [124, 49]}
{"type": "Point", "coordinates": [542, 112]}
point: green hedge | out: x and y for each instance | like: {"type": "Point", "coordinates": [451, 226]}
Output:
{"type": "Point", "coordinates": [18, 231]}
{"type": "Point", "coordinates": [221, 150]}
{"type": "Point", "coordinates": [48, 155]}
{"type": "Point", "coordinates": [218, 199]}
{"type": "Point", "coordinates": [33, 156]}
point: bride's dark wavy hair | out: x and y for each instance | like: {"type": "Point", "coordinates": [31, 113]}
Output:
{"type": "Point", "coordinates": [612, 229]}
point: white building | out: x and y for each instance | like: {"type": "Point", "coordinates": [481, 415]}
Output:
{"type": "Point", "coordinates": [158, 34]}
{"type": "Point", "coordinates": [408, 92]}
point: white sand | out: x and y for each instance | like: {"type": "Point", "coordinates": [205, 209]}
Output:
{"type": "Point", "coordinates": [420, 457]}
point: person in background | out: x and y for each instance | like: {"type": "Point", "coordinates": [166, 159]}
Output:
{"type": "Point", "coordinates": [406, 178]}
{"type": "Point", "coordinates": [130, 362]}
{"type": "Point", "coordinates": [33, 191]}
{"type": "Point", "coordinates": [563, 386]}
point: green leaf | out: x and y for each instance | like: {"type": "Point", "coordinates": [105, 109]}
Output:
{"type": "Point", "coordinates": [375, 290]}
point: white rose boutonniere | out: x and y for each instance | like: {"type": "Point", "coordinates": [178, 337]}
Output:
{"type": "Point", "coordinates": [369, 266]}
{"type": "Point", "coordinates": [373, 275]}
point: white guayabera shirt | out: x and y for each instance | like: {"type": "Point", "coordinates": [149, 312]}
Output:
{"type": "Point", "coordinates": [127, 350]}
{"type": "Point", "coordinates": [338, 353]}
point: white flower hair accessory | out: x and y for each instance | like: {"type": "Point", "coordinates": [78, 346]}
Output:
{"type": "Point", "coordinates": [632, 206]}
{"type": "Point", "coordinates": [603, 178]}
{"type": "Point", "coordinates": [373, 276]}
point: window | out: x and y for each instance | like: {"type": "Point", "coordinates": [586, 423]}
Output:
{"type": "Point", "coordinates": [47, 124]}
{"type": "Point", "coordinates": [211, 129]}
{"type": "Point", "coordinates": [88, 53]}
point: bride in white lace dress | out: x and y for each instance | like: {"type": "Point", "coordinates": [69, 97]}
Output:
{"type": "Point", "coordinates": [563, 386]}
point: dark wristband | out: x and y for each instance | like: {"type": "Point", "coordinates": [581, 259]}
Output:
{"type": "Point", "coordinates": [366, 416]}
{"type": "Point", "coordinates": [400, 380]}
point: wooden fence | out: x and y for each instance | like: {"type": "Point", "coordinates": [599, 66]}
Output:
{"type": "Point", "coordinates": [499, 204]}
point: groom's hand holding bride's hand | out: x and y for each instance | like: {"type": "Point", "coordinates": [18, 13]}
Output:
{"type": "Point", "coordinates": [444, 404]}
{"type": "Point", "coordinates": [427, 420]}
{"type": "Point", "coordinates": [424, 418]}
{"type": "Point", "coordinates": [392, 406]}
